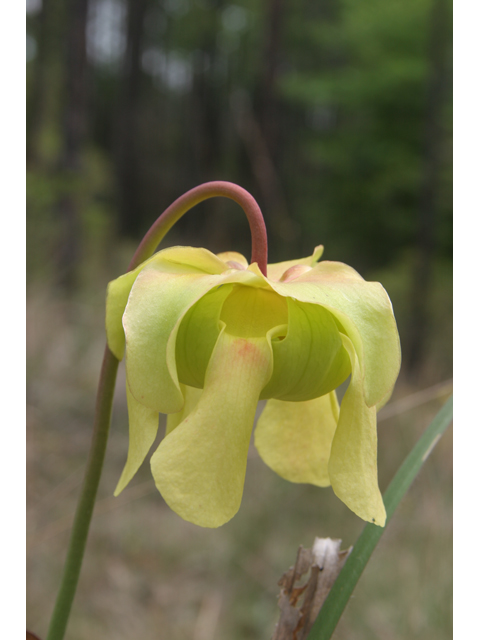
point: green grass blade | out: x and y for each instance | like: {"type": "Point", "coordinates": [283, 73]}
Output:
{"type": "Point", "coordinates": [342, 589]}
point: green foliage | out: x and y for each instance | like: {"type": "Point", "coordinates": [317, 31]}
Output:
{"type": "Point", "coordinates": [366, 119]}
{"type": "Point", "coordinates": [92, 189]}
{"type": "Point", "coordinates": [349, 93]}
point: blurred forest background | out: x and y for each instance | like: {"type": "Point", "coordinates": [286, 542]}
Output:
{"type": "Point", "coordinates": [336, 116]}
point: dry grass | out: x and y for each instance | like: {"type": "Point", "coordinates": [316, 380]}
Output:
{"type": "Point", "coordinates": [148, 574]}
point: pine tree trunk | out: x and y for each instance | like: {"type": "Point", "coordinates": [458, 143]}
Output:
{"type": "Point", "coordinates": [428, 201]}
{"type": "Point", "coordinates": [74, 133]}
{"type": "Point", "coordinates": [128, 145]}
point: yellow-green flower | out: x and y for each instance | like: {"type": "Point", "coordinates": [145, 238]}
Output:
{"type": "Point", "coordinates": [207, 336]}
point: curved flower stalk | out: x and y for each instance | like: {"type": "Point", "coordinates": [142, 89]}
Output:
{"type": "Point", "coordinates": [206, 337]}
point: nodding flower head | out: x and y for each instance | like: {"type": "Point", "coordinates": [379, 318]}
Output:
{"type": "Point", "coordinates": [207, 336]}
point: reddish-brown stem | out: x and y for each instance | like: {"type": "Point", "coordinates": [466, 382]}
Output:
{"type": "Point", "coordinates": [175, 211]}
{"type": "Point", "coordinates": [155, 234]}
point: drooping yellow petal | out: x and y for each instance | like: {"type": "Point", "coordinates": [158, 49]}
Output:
{"type": "Point", "coordinates": [157, 303]}
{"type": "Point", "coordinates": [199, 259]}
{"type": "Point", "coordinates": [384, 400]}
{"type": "Point", "coordinates": [171, 260]}
{"type": "Point", "coordinates": [275, 271]}
{"type": "Point", "coordinates": [192, 396]}
{"type": "Point", "coordinates": [117, 297]}
{"type": "Point", "coordinates": [199, 468]}
{"type": "Point", "coordinates": [156, 307]}
{"type": "Point", "coordinates": [353, 459]}
{"type": "Point", "coordinates": [294, 438]}
{"type": "Point", "coordinates": [232, 259]}
{"type": "Point", "coordinates": [364, 312]}
{"type": "Point", "coordinates": [142, 429]}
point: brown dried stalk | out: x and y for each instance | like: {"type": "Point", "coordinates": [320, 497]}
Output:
{"type": "Point", "coordinates": [300, 603]}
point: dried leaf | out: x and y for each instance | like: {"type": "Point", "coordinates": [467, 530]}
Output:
{"type": "Point", "coordinates": [305, 587]}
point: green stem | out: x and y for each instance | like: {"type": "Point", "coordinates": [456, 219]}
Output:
{"type": "Point", "coordinates": [83, 515]}
{"type": "Point", "coordinates": [106, 387]}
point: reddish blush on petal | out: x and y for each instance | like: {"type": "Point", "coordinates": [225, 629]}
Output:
{"type": "Point", "coordinates": [294, 272]}
{"type": "Point", "coordinates": [235, 265]}
{"type": "Point", "coordinates": [246, 350]}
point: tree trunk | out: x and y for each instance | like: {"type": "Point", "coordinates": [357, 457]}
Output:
{"type": "Point", "coordinates": [74, 131]}
{"type": "Point", "coordinates": [207, 121]}
{"type": "Point", "coordinates": [128, 145]}
{"type": "Point", "coordinates": [37, 106]}
{"type": "Point", "coordinates": [268, 97]}
{"type": "Point", "coordinates": [428, 201]}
